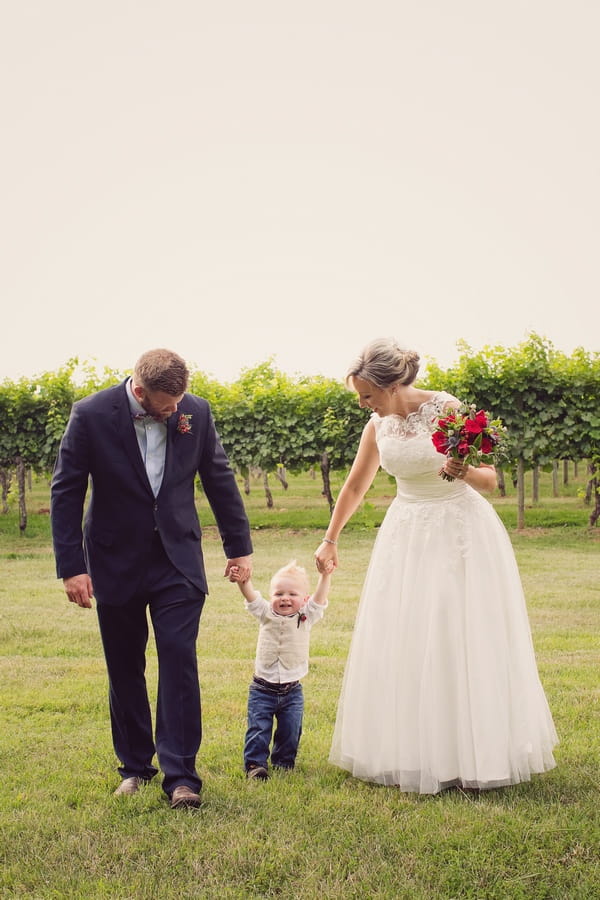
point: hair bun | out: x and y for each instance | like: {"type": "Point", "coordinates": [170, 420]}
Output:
{"type": "Point", "coordinates": [384, 362]}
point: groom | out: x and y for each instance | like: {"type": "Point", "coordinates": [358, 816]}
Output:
{"type": "Point", "coordinates": [140, 446]}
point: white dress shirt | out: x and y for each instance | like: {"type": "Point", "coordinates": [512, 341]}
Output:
{"type": "Point", "coordinates": [152, 441]}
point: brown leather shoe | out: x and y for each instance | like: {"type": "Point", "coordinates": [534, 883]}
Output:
{"type": "Point", "coordinates": [184, 797]}
{"type": "Point", "coordinates": [259, 772]}
{"type": "Point", "coordinates": [129, 786]}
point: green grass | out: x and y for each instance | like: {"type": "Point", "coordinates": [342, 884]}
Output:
{"type": "Point", "coordinates": [313, 833]}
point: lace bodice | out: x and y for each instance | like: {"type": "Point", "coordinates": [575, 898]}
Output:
{"type": "Point", "coordinates": [422, 421]}
{"type": "Point", "coordinates": [407, 452]}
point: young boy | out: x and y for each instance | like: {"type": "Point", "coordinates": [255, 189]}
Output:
{"type": "Point", "coordinates": [281, 661]}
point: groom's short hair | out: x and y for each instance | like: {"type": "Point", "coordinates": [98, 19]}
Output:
{"type": "Point", "coordinates": [162, 370]}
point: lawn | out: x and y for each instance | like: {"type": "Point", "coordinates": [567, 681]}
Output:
{"type": "Point", "coordinates": [316, 832]}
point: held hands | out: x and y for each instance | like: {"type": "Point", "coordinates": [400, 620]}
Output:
{"type": "Point", "coordinates": [234, 575]}
{"type": "Point", "coordinates": [239, 569]}
{"type": "Point", "coordinates": [79, 590]}
{"type": "Point", "coordinates": [326, 558]}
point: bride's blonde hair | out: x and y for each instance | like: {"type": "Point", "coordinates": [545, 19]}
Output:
{"type": "Point", "coordinates": [383, 363]}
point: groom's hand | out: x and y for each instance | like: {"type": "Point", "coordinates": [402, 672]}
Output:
{"type": "Point", "coordinates": [79, 590]}
{"type": "Point", "coordinates": [242, 566]}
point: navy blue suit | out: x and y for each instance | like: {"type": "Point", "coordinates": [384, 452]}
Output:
{"type": "Point", "coordinates": [144, 553]}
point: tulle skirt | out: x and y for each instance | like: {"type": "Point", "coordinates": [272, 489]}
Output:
{"type": "Point", "coordinates": [441, 686]}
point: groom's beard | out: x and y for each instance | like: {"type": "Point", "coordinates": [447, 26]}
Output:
{"type": "Point", "coordinates": [154, 412]}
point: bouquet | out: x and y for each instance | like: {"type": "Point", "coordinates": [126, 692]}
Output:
{"type": "Point", "coordinates": [468, 435]}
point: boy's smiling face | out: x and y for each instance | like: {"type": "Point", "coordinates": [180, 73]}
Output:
{"type": "Point", "coordinates": [287, 595]}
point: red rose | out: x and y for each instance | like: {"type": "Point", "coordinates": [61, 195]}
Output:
{"type": "Point", "coordinates": [472, 426]}
{"type": "Point", "coordinates": [440, 441]}
{"type": "Point", "coordinates": [477, 423]}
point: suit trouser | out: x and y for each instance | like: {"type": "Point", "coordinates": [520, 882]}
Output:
{"type": "Point", "coordinates": [174, 605]}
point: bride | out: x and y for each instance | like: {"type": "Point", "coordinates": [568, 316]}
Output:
{"type": "Point", "coordinates": [441, 687]}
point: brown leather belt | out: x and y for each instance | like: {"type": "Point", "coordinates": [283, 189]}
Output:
{"type": "Point", "coordinates": [275, 688]}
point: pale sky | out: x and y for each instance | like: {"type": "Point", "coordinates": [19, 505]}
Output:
{"type": "Point", "coordinates": [243, 179]}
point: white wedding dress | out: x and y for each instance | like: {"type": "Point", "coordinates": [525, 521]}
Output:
{"type": "Point", "coordinates": [441, 685]}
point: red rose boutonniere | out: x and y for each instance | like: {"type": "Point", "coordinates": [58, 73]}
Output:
{"type": "Point", "coordinates": [301, 618]}
{"type": "Point", "coordinates": [468, 435]}
{"type": "Point", "coordinates": [184, 423]}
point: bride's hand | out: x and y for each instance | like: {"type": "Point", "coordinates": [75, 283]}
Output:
{"type": "Point", "coordinates": [326, 557]}
{"type": "Point", "coordinates": [455, 468]}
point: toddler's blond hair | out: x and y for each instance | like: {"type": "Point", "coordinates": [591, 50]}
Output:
{"type": "Point", "coordinates": [293, 570]}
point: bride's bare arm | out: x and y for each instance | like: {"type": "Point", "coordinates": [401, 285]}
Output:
{"type": "Point", "coordinates": [361, 475]}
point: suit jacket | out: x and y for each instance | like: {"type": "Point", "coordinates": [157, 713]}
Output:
{"type": "Point", "coordinates": [114, 539]}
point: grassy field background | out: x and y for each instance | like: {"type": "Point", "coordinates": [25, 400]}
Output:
{"type": "Point", "coordinates": [316, 832]}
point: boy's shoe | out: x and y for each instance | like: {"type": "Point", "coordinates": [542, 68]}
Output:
{"type": "Point", "coordinates": [257, 772]}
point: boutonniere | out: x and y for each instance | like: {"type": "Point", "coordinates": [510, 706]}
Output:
{"type": "Point", "coordinates": [301, 618]}
{"type": "Point", "coordinates": [184, 423]}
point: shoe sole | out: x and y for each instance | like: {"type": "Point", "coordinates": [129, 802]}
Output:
{"type": "Point", "coordinates": [186, 804]}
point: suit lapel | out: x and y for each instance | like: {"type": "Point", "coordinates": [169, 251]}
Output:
{"type": "Point", "coordinates": [177, 449]}
{"type": "Point", "coordinates": [171, 437]}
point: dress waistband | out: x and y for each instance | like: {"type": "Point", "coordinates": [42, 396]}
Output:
{"type": "Point", "coordinates": [275, 687]}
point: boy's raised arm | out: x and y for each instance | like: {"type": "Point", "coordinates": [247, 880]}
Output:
{"type": "Point", "coordinates": [245, 587]}
{"type": "Point", "coordinates": [323, 585]}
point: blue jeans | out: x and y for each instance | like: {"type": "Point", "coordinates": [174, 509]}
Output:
{"type": "Point", "coordinates": [264, 706]}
